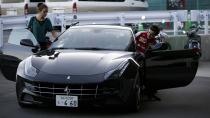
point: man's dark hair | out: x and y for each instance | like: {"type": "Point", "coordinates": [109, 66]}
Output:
{"type": "Point", "coordinates": [155, 29]}
{"type": "Point", "coordinates": [41, 6]}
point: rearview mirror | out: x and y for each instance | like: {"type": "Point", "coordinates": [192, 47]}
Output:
{"type": "Point", "coordinates": [27, 42]}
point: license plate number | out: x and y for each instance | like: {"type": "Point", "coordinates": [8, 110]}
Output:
{"type": "Point", "coordinates": [66, 101]}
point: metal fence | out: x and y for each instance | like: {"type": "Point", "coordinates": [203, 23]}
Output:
{"type": "Point", "coordinates": [120, 18]}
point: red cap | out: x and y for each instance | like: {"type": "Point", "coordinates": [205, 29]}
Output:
{"type": "Point", "coordinates": [74, 7]}
{"type": "Point", "coordinates": [26, 9]}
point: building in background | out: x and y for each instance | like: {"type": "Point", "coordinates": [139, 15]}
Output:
{"type": "Point", "coordinates": [185, 4]}
{"type": "Point", "coordinates": [175, 4]}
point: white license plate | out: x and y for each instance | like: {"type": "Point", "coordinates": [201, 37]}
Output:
{"type": "Point", "coordinates": [66, 101]}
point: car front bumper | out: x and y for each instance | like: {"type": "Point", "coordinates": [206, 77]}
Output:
{"type": "Point", "coordinates": [44, 94]}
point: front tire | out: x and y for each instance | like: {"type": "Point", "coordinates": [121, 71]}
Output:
{"type": "Point", "coordinates": [135, 102]}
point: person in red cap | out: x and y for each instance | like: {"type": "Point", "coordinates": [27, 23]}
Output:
{"type": "Point", "coordinates": [145, 39]}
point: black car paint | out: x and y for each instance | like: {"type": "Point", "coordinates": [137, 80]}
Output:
{"type": "Point", "coordinates": [170, 69]}
{"type": "Point", "coordinates": [114, 92]}
{"type": "Point", "coordinates": [80, 62]}
{"type": "Point", "coordinates": [105, 62]}
{"type": "Point", "coordinates": [184, 63]}
{"type": "Point", "coordinates": [123, 85]}
{"type": "Point", "coordinates": [181, 65]}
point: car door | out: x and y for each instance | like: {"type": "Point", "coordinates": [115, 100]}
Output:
{"type": "Point", "coordinates": [170, 68]}
{"type": "Point", "coordinates": [13, 53]}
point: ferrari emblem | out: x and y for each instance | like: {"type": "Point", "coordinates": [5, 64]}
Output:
{"type": "Point", "coordinates": [69, 77]}
{"type": "Point", "coordinates": [67, 90]}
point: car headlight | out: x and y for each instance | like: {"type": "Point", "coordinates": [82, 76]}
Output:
{"type": "Point", "coordinates": [116, 73]}
{"type": "Point", "coordinates": [29, 69]}
{"type": "Point", "coordinates": [29, 87]}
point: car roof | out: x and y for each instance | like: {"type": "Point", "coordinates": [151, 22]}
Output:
{"type": "Point", "coordinates": [103, 26]}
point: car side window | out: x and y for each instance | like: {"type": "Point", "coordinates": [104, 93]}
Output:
{"type": "Point", "coordinates": [17, 35]}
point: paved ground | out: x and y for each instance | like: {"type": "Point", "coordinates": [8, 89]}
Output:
{"type": "Point", "coordinates": [192, 101]}
{"type": "Point", "coordinates": [204, 69]}
{"type": "Point", "coordinates": [6, 35]}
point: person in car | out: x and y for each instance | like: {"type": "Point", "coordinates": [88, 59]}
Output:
{"type": "Point", "coordinates": [145, 39]}
{"type": "Point", "coordinates": [39, 25]}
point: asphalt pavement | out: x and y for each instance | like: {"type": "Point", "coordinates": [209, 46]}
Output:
{"type": "Point", "coordinates": [203, 69]}
{"type": "Point", "coordinates": [192, 101]}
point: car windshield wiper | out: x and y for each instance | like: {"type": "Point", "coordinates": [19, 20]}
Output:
{"type": "Point", "coordinates": [91, 48]}
{"type": "Point", "coordinates": [73, 24]}
{"type": "Point", "coordinates": [85, 48]}
{"type": "Point", "coordinates": [59, 48]}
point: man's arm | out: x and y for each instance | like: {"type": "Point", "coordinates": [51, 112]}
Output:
{"type": "Point", "coordinates": [50, 29]}
{"type": "Point", "coordinates": [54, 34]}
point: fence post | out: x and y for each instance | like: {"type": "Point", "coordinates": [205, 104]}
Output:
{"type": "Point", "coordinates": [175, 23]}
{"type": "Point", "coordinates": [63, 23]}
{"type": "Point", "coordinates": [1, 33]}
{"type": "Point", "coordinates": [206, 22]}
{"type": "Point", "coordinates": [122, 19]}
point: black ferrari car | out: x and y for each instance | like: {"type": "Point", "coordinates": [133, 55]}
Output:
{"type": "Point", "coordinates": [96, 64]}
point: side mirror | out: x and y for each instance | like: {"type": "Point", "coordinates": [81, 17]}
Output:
{"type": "Point", "coordinates": [132, 47]}
{"type": "Point", "coordinates": [27, 42]}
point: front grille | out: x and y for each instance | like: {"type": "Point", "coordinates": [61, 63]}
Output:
{"type": "Point", "coordinates": [83, 91]}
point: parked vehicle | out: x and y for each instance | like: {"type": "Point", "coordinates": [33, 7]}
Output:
{"type": "Point", "coordinates": [21, 7]}
{"type": "Point", "coordinates": [12, 7]}
{"type": "Point", "coordinates": [194, 40]}
{"type": "Point", "coordinates": [97, 67]}
{"type": "Point", "coordinates": [111, 5]}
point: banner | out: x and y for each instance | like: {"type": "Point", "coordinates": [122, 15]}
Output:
{"type": "Point", "coordinates": [175, 4]}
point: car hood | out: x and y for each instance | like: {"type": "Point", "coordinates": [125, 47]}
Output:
{"type": "Point", "coordinates": [74, 62]}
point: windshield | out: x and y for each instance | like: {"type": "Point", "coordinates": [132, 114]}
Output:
{"type": "Point", "coordinates": [95, 38]}
{"type": "Point", "coordinates": [104, 0]}
{"type": "Point", "coordinates": [12, 1]}
{"type": "Point", "coordinates": [37, 0]}
{"type": "Point", "coordinates": [59, 0]}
